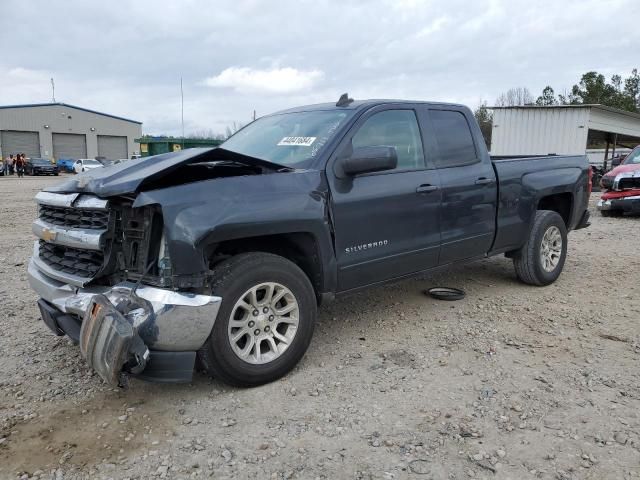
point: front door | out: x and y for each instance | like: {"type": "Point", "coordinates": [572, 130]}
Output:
{"type": "Point", "coordinates": [386, 223]}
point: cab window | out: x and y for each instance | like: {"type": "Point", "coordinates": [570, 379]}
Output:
{"type": "Point", "coordinates": [393, 128]}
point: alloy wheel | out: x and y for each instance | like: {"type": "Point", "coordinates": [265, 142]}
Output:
{"type": "Point", "coordinates": [263, 323]}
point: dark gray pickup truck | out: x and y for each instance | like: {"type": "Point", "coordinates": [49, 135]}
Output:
{"type": "Point", "coordinates": [224, 254]}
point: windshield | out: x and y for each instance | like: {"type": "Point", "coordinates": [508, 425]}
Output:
{"type": "Point", "coordinates": [92, 162]}
{"type": "Point", "coordinates": [288, 139]}
{"type": "Point", "coordinates": [39, 161]}
{"type": "Point", "coordinates": [633, 158]}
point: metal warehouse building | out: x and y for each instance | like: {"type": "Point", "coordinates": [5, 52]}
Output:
{"type": "Point", "coordinates": [562, 129]}
{"type": "Point", "coordinates": [59, 130]}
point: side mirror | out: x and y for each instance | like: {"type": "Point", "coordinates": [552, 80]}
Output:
{"type": "Point", "coordinates": [369, 159]}
{"type": "Point", "coordinates": [616, 161]}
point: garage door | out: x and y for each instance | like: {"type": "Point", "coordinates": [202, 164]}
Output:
{"type": "Point", "coordinates": [69, 145]}
{"type": "Point", "coordinates": [13, 142]}
{"type": "Point", "coordinates": [112, 147]}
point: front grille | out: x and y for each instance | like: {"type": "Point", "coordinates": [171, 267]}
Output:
{"type": "Point", "coordinates": [75, 217]}
{"type": "Point", "coordinates": [629, 182]}
{"type": "Point", "coordinates": [73, 261]}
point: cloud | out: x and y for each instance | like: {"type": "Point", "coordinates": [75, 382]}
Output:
{"type": "Point", "coordinates": [20, 84]}
{"type": "Point", "coordinates": [233, 60]}
{"type": "Point", "coordinates": [437, 25]}
{"type": "Point", "coordinates": [274, 80]}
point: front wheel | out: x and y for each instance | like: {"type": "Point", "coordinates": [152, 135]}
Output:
{"type": "Point", "coordinates": [541, 259]}
{"type": "Point", "coordinates": [265, 322]}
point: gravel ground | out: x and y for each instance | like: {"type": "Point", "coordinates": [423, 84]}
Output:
{"type": "Point", "coordinates": [511, 382]}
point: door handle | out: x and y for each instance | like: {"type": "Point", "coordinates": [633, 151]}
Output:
{"type": "Point", "coordinates": [426, 188]}
{"type": "Point", "coordinates": [483, 181]}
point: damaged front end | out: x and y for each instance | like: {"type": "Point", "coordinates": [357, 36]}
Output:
{"type": "Point", "coordinates": [89, 264]}
{"type": "Point", "coordinates": [123, 254]}
{"type": "Point", "coordinates": [621, 191]}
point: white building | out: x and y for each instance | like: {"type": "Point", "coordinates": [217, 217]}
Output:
{"type": "Point", "coordinates": [59, 130]}
{"type": "Point", "coordinates": [562, 129]}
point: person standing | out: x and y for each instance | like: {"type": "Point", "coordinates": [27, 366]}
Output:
{"type": "Point", "coordinates": [20, 161]}
{"type": "Point", "coordinates": [9, 165]}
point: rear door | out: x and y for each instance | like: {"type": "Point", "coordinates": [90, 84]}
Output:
{"type": "Point", "coordinates": [386, 223]}
{"type": "Point", "coordinates": [468, 183]}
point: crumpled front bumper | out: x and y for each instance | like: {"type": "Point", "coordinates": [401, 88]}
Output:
{"type": "Point", "coordinates": [627, 204]}
{"type": "Point", "coordinates": [171, 325]}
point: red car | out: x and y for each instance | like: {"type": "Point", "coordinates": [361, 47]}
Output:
{"type": "Point", "coordinates": [621, 187]}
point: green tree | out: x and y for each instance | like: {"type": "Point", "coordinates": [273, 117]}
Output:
{"type": "Point", "coordinates": [547, 98]}
{"type": "Point", "coordinates": [485, 120]}
{"type": "Point", "coordinates": [593, 88]}
{"type": "Point", "coordinates": [632, 88]}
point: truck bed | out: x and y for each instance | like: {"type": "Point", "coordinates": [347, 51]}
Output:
{"type": "Point", "coordinates": [523, 180]}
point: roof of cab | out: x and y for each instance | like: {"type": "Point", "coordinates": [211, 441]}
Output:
{"type": "Point", "coordinates": [359, 105]}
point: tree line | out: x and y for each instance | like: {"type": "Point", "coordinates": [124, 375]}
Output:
{"type": "Point", "coordinates": [618, 92]}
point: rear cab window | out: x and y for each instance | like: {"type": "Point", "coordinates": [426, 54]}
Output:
{"type": "Point", "coordinates": [453, 138]}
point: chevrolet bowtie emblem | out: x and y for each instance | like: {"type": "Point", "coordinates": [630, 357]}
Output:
{"type": "Point", "coordinates": [48, 235]}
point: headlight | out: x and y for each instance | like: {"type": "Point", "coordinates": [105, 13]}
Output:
{"type": "Point", "coordinates": [606, 181]}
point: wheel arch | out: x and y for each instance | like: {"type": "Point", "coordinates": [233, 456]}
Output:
{"type": "Point", "coordinates": [302, 248]}
{"type": "Point", "coordinates": [561, 203]}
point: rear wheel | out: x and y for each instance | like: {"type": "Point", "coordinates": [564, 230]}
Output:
{"type": "Point", "coordinates": [541, 260]}
{"type": "Point", "coordinates": [265, 322]}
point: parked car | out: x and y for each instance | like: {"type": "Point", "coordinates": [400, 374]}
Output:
{"type": "Point", "coordinates": [40, 166]}
{"type": "Point", "coordinates": [621, 187]}
{"type": "Point", "coordinates": [85, 164]}
{"type": "Point", "coordinates": [66, 165]}
{"type": "Point", "coordinates": [226, 253]}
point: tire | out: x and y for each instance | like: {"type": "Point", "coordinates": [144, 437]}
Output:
{"type": "Point", "coordinates": [233, 279]}
{"type": "Point", "coordinates": [528, 261]}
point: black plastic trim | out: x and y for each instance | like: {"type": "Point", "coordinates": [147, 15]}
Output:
{"type": "Point", "coordinates": [169, 367]}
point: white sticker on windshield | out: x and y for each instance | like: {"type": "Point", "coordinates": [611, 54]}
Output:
{"type": "Point", "coordinates": [297, 141]}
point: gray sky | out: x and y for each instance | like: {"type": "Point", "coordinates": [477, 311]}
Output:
{"type": "Point", "coordinates": [126, 57]}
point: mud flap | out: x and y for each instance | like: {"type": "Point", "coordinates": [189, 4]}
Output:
{"type": "Point", "coordinates": [109, 343]}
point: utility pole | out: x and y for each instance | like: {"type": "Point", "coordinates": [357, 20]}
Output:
{"type": "Point", "coordinates": [53, 91]}
{"type": "Point", "coordinates": [182, 110]}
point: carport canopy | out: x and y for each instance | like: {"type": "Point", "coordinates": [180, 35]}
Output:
{"type": "Point", "coordinates": [562, 129]}
{"type": "Point", "coordinates": [614, 128]}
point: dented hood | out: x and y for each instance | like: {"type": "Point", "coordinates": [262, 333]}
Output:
{"type": "Point", "coordinates": [131, 176]}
